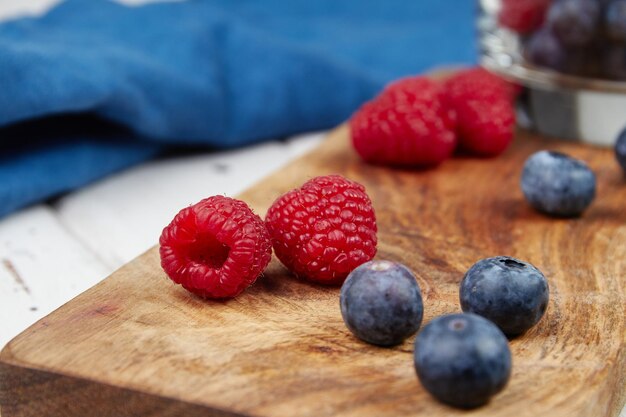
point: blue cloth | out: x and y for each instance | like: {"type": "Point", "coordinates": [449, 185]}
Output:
{"type": "Point", "coordinates": [221, 73]}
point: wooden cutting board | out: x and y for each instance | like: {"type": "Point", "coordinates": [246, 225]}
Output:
{"type": "Point", "coordinates": [137, 345]}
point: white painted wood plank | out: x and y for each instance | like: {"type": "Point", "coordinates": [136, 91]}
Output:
{"type": "Point", "coordinates": [41, 268]}
{"type": "Point", "coordinates": [122, 216]}
{"type": "Point", "coordinates": [11, 9]}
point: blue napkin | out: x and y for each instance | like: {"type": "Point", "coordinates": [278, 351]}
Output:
{"type": "Point", "coordinates": [93, 86]}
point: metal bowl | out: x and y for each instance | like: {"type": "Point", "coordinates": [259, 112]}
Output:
{"type": "Point", "coordinates": [554, 104]}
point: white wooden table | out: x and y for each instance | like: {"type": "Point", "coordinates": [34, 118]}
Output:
{"type": "Point", "coordinates": [50, 253]}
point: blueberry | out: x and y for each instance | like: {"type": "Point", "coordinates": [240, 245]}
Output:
{"type": "Point", "coordinates": [511, 293]}
{"type": "Point", "coordinates": [620, 149]}
{"type": "Point", "coordinates": [615, 20]}
{"type": "Point", "coordinates": [462, 359]}
{"type": "Point", "coordinates": [614, 61]}
{"type": "Point", "coordinates": [544, 49]}
{"type": "Point", "coordinates": [574, 22]}
{"type": "Point", "coordinates": [381, 303]}
{"type": "Point", "coordinates": [557, 184]}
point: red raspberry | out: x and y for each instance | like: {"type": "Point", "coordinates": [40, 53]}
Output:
{"type": "Point", "coordinates": [324, 229]}
{"type": "Point", "coordinates": [485, 128]}
{"type": "Point", "coordinates": [478, 80]}
{"type": "Point", "coordinates": [485, 112]}
{"type": "Point", "coordinates": [407, 124]}
{"type": "Point", "coordinates": [523, 16]}
{"type": "Point", "coordinates": [215, 248]}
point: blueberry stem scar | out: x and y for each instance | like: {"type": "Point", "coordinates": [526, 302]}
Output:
{"type": "Point", "coordinates": [457, 324]}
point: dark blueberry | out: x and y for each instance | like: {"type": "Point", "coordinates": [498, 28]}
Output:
{"type": "Point", "coordinates": [615, 20]}
{"type": "Point", "coordinates": [511, 293]}
{"type": "Point", "coordinates": [544, 49]}
{"type": "Point", "coordinates": [620, 149]}
{"type": "Point", "coordinates": [462, 359]}
{"type": "Point", "coordinates": [557, 184]}
{"type": "Point", "coordinates": [604, 3]}
{"type": "Point", "coordinates": [574, 22]}
{"type": "Point", "coordinates": [381, 303]}
{"type": "Point", "coordinates": [585, 61]}
{"type": "Point", "coordinates": [614, 61]}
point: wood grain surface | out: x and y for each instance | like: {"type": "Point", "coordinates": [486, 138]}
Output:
{"type": "Point", "coordinates": [137, 345]}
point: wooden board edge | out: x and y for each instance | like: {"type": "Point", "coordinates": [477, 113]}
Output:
{"type": "Point", "coordinates": [26, 392]}
{"type": "Point", "coordinates": [325, 147]}
{"type": "Point", "coordinates": [617, 402]}
{"type": "Point", "coordinates": [6, 355]}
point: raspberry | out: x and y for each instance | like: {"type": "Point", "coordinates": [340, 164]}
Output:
{"type": "Point", "coordinates": [485, 128]}
{"type": "Point", "coordinates": [407, 124]}
{"type": "Point", "coordinates": [413, 90]}
{"type": "Point", "coordinates": [323, 230]}
{"type": "Point", "coordinates": [523, 16]}
{"type": "Point", "coordinates": [485, 113]}
{"type": "Point", "coordinates": [215, 248]}
{"type": "Point", "coordinates": [478, 80]}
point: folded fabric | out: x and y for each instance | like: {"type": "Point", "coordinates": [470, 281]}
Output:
{"type": "Point", "coordinates": [221, 73]}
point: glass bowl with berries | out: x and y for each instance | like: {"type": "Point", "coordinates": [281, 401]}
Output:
{"type": "Point", "coordinates": [570, 55]}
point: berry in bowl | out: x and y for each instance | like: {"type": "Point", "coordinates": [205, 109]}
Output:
{"type": "Point", "coordinates": [570, 55]}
